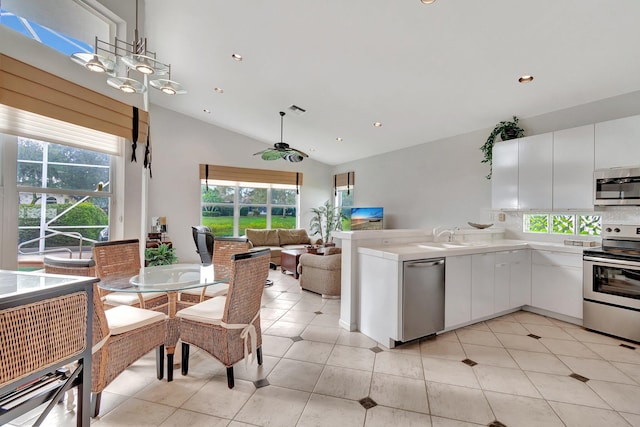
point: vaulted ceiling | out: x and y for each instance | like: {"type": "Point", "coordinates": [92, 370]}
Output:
{"type": "Point", "coordinates": [425, 72]}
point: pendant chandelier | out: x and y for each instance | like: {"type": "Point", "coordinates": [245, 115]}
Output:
{"type": "Point", "coordinates": [120, 58]}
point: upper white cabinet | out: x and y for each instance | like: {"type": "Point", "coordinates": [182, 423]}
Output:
{"type": "Point", "coordinates": [535, 172]}
{"type": "Point", "coordinates": [504, 176]}
{"type": "Point", "coordinates": [573, 164]}
{"type": "Point", "coordinates": [617, 143]}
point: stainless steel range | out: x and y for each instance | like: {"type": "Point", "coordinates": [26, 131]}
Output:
{"type": "Point", "coordinates": [612, 283]}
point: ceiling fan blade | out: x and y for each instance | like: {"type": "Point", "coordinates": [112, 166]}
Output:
{"type": "Point", "coordinates": [272, 155]}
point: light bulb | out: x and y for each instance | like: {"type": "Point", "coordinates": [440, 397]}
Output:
{"type": "Point", "coordinates": [127, 88]}
{"type": "Point", "coordinates": [95, 65]}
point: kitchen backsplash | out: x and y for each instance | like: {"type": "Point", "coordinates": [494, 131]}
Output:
{"type": "Point", "coordinates": [513, 223]}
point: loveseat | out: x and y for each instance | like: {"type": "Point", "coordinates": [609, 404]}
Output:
{"type": "Point", "coordinates": [278, 239]}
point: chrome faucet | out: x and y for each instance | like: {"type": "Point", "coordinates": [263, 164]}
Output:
{"type": "Point", "coordinates": [451, 232]}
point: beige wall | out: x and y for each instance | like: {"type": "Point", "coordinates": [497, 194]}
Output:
{"type": "Point", "coordinates": [181, 144]}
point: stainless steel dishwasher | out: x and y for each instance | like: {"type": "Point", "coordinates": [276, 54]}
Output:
{"type": "Point", "coordinates": [422, 298]}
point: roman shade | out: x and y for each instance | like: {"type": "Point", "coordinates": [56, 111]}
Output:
{"type": "Point", "coordinates": [30, 89]}
{"type": "Point", "coordinates": [228, 173]}
{"type": "Point", "coordinates": [344, 180]}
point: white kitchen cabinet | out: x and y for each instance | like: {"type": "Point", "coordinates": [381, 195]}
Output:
{"type": "Point", "coordinates": [482, 284]}
{"type": "Point", "coordinates": [457, 295]}
{"type": "Point", "coordinates": [504, 178]}
{"type": "Point", "coordinates": [573, 165]}
{"type": "Point", "coordinates": [617, 143]}
{"type": "Point", "coordinates": [535, 172]}
{"type": "Point", "coordinates": [512, 280]}
{"type": "Point", "coordinates": [557, 282]}
{"type": "Point", "coordinates": [520, 286]}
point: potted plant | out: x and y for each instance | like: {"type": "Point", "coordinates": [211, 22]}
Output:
{"type": "Point", "coordinates": [326, 218]}
{"type": "Point", "coordinates": [507, 130]}
{"type": "Point", "coordinates": [161, 255]}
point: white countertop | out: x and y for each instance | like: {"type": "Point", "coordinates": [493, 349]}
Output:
{"type": "Point", "coordinates": [413, 251]}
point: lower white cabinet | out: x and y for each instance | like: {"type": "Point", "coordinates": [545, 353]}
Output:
{"type": "Point", "coordinates": [512, 279]}
{"type": "Point", "coordinates": [482, 284]}
{"type": "Point", "coordinates": [457, 291]}
{"type": "Point", "coordinates": [557, 282]}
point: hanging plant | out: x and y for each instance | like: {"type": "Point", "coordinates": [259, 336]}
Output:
{"type": "Point", "coordinates": [507, 130]}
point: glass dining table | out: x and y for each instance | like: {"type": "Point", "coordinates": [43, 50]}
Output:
{"type": "Point", "coordinates": [171, 279]}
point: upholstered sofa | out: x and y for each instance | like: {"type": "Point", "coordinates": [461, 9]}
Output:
{"type": "Point", "coordinates": [321, 273]}
{"type": "Point", "coordinates": [278, 239]}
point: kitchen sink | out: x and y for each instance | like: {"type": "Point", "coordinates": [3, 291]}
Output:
{"type": "Point", "coordinates": [450, 245]}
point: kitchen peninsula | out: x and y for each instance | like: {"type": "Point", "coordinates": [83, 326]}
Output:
{"type": "Point", "coordinates": [485, 276]}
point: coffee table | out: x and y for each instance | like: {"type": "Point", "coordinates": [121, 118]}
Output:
{"type": "Point", "coordinates": [289, 259]}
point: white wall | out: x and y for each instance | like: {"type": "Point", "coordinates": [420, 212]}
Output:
{"type": "Point", "coordinates": [443, 182]}
{"type": "Point", "coordinates": [180, 144]}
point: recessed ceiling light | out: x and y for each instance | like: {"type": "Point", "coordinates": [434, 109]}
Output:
{"type": "Point", "coordinates": [207, 111]}
{"type": "Point", "coordinates": [312, 149]}
{"type": "Point", "coordinates": [427, 1]}
{"type": "Point", "coordinates": [525, 79]}
{"type": "Point", "coordinates": [218, 90]}
{"type": "Point", "coordinates": [237, 56]}
{"type": "Point", "coordinates": [377, 124]}
{"type": "Point", "coordinates": [339, 139]}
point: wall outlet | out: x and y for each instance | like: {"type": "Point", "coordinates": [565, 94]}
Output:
{"type": "Point", "coordinates": [386, 242]}
{"type": "Point", "coordinates": [501, 217]}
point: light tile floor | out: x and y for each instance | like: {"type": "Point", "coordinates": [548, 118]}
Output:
{"type": "Point", "coordinates": [491, 373]}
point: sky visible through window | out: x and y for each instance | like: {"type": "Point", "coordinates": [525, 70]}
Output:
{"type": "Point", "coordinates": [54, 39]}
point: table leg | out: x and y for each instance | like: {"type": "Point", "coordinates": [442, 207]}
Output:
{"type": "Point", "coordinates": [173, 333]}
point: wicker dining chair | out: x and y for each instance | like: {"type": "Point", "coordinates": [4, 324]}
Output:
{"type": "Point", "coordinates": [119, 257]}
{"type": "Point", "coordinates": [223, 249]}
{"type": "Point", "coordinates": [228, 328]}
{"type": "Point", "coordinates": [121, 336]}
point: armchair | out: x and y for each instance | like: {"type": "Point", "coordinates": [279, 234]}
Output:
{"type": "Point", "coordinates": [321, 273]}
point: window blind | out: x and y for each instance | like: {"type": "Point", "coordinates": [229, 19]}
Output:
{"type": "Point", "coordinates": [27, 88]}
{"type": "Point", "coordinates": [228, 173]}
{"type": "Point", "coordinates": [34, 126]}
{"type": "Point", "coordinates": [346, 179]}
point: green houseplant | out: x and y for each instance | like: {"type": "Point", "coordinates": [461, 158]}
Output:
{"type": "Point", "coordinates": [507, 130]}
{"type": "Point", "coordinates": [162, 255]}
{"type": "Point", "coordinates": [326, 218]}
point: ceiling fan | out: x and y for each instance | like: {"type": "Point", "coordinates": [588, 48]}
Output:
{"type": "Point", "coordinates": [281, 150]}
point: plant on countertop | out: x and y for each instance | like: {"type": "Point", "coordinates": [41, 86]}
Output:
{"type": "Point", "coordinates": [162, 255]}
{"type": "Point", "coordinates": [507, 130]}
{"type": "Point", "coordinates": [326, 218]}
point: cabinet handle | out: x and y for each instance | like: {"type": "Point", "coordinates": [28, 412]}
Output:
{"type": "Point", "coordinates": [425, 264]}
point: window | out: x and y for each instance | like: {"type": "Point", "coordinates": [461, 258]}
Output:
{"type": "Point", "coordinates": [343, 188]}
{"type": "Point", "coordinates": [63, 194]}
{"type": "Point", "coordinates": [229, 207]}
{"type": "Point", "coordinates": [569, 224]}
{"type": "Point", "coordinates": [344, 199]}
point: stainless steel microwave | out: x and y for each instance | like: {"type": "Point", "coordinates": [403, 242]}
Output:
{"type": "Point", "coordinates": [617, 186]}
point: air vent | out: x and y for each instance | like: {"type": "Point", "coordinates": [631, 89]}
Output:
{"type": "Point", "coordinates": [297, 110]}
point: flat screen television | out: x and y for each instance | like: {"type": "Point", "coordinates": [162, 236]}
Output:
{"type": "Point", "coordinates": [366, 218]}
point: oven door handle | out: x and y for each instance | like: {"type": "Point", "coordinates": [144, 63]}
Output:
{"type": "Point", "coordinates": [612, 261]}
